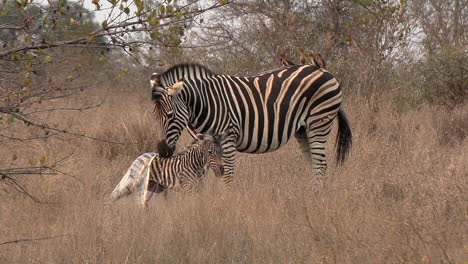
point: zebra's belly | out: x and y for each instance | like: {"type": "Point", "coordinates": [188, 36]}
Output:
{"type": "Point", "coordinates": [264, 143]}
{"type": "Point", "coordinates": [260, 150]}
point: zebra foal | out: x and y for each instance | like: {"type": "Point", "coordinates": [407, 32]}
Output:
{"type": "Point", "coordinates": [151, 173]}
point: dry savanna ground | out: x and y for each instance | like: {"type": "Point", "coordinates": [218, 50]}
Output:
{"type": "Point", "coordinates": [399, 198]}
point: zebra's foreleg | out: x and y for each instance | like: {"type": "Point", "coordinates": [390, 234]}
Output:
{"type": "Point", "coordinates": [229, 159]}
{"type": "Point", "coordinates": [187, 182]}
{"type": "Point", "coordinates": [153, 188]}
{"type": "Point", "coordinates": [301, 138]}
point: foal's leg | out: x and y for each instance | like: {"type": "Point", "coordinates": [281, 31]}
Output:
{"type": "Point", "coordinates": [153, 187]}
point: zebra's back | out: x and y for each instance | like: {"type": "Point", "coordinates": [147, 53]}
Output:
{"type": "Point", "coordinates": [269, 108]}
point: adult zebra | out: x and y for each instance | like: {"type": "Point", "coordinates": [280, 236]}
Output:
{"type": "Point", "coordinates": [259, 114]}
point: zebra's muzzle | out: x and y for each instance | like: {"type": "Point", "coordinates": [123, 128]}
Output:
{"type": "Point", "coordinates": [164, 150]}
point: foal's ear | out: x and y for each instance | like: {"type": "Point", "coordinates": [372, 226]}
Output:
{"type": "Point", "coordinates": [221, 137]}
{"type": "Point", "coordinates": [200, 136]}
{"type": "Point", "coordinates": [175, 88]}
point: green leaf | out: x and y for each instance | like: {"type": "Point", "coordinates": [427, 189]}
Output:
{"type": "Point", "coordinates": [11, 119]}
{"type": "Point", "coordinates": [153, 21]}
{"type": "Point", "coordinates": [177, 42]}
{"type": "Point", "coordinates": [169, 9]}
{"type": "Point", "coordinates": [14, 157]}
{"type": "Point", "coordinates": [23, 13]}
{"type": "Point", "coordinates": [176, 51]}
{"type": "Point", "coordinates": [153, 35]}
{"type": "Point", "coordinates": [162, 9]}
{"type": "Point", "coordinates": [62, 11]}
{"type": "Point", "coordinates": [126, 10]}
{"type": "Point", "coordinates": [223, 2]}
{"type": "Point", "coordinates": [113, 2]}
{"type": "Point", "coordinates": [140, 5]}
{"type": "Point", "coordinates": [5, 10]}
{"type": "Point", "coordinates": [47, 59]}
{"type": "Point", "coordinates": [104, 24]}
{"type": "Point", "coordinates": [201, 20]}
{"type": "Point", "coordinates": [178, 15]}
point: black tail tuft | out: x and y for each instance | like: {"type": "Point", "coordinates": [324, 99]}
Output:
{"type": "Point", "coordinates": [344, 138]}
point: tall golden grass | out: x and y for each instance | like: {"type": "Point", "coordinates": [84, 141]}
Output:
{"type": "Point", "coordinates": [399, 198]}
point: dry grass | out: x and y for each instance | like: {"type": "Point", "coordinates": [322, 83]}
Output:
{"type": "Point", "coordinates": [400, 198]}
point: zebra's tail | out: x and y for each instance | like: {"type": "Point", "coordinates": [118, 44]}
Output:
{"type": "Point", "coordinates": [126, 185]}
{"type": "Point", "coordinates": [344, 138]}
{"type": "Point", "coordinates": [133, 177]}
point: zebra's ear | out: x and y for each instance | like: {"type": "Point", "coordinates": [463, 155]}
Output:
{"type": "Point", "coordinates": [175, 88]}
{"type": "Point", "coordinates": [155, 77]}
{"type": "Point", "coordinates": [155, 85]}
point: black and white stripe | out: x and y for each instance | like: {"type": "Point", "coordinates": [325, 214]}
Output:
{"type": "Point", "coordinates": [151, 173]}
{"type": "Point", "coordinates": [260, 113]}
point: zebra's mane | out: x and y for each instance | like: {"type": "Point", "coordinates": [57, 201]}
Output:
{"type": "Point", "coordinates": [184, 70]}
{"type": "Point", "coordinates": [187, 66]}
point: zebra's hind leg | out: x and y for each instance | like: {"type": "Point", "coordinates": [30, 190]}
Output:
{"type": "Point", "coordinates": [303, 141]}
{"type": "Point", "coordinates": [315, 137]}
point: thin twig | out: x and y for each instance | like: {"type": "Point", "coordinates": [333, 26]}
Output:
{"type": "Point", "coordinates": [17, 187]}
{"type": "Point", "coordinates": [30, 239]}
{"type": "Point", "coordinates": [63, 131]}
